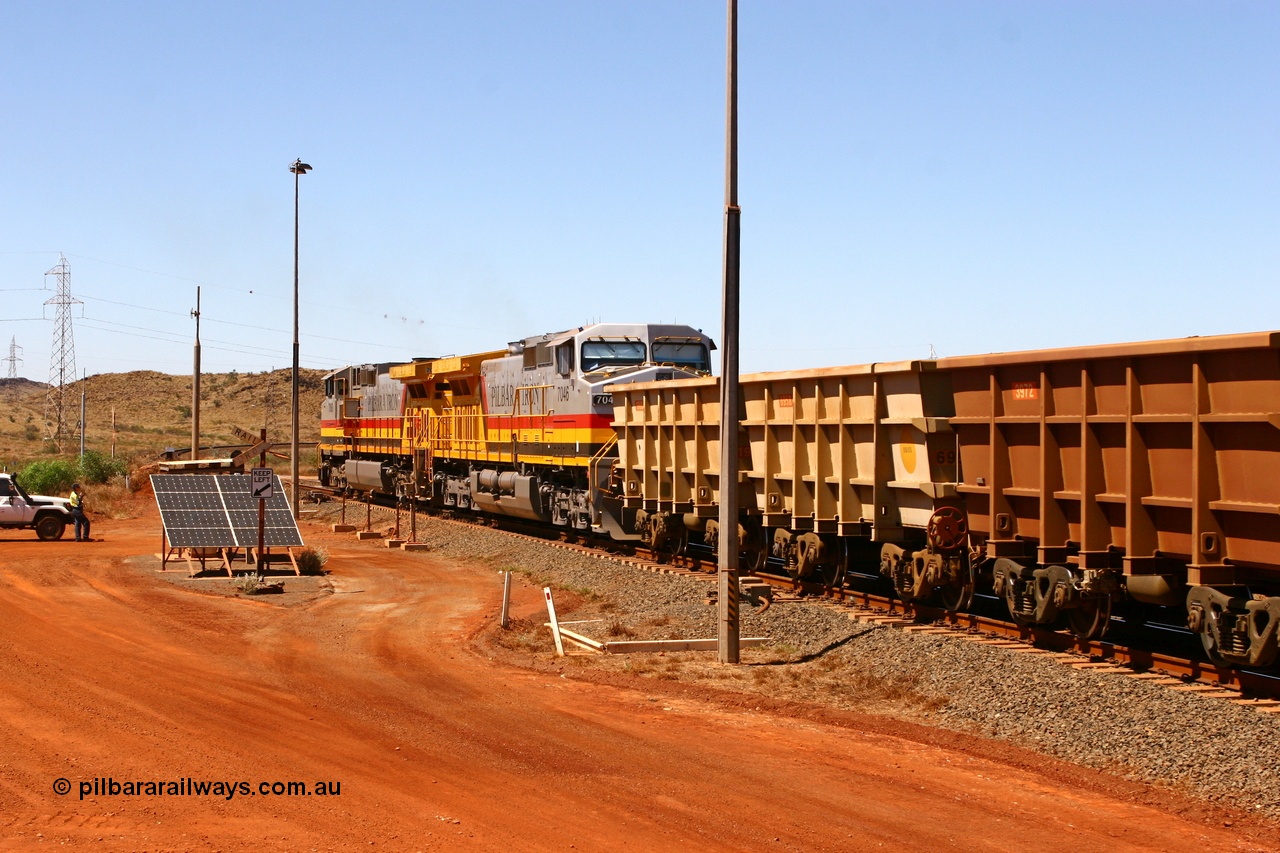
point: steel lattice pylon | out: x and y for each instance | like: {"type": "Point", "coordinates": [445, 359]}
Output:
{"type": "Point", "coordinates": [62, 358]}
{"type": "Point", "coordinates": [13, 359]}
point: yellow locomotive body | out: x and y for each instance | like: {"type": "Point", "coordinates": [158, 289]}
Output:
{"type": "Point", "coordinates": [526, 431]}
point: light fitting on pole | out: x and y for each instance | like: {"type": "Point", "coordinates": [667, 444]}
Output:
{"type": "Point", "coordinates": [298, 168]}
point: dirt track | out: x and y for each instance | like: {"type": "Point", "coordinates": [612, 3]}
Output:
{"type": "Point", "coordinates": [112, 672]}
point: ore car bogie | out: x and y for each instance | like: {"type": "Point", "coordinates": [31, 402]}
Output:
{"type": "Point", "coordinates": [1070, 484]}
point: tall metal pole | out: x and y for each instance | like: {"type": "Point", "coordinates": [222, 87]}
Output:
{"type": "Point", "coordinates": [298, 168]}
{"type": "Point", "coordinates": [84, 389]}
{"type": "Point", "coordinates": [195, 385]}
{"type": "Point", "coordinates": [729, 394]}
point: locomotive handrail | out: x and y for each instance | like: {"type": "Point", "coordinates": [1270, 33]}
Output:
{"type": "Point", "coordinates": [450, 430]}
{"type": "Point", "coordinates": [592, 485]}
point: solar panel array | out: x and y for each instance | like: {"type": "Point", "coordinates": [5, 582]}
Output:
{"type": "Point", "coordinates": [218, 511]}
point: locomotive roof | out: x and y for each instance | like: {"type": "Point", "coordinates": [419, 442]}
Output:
{"type": "Point", "coordinates": [618, 330]}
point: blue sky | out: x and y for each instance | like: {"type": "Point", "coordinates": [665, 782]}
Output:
{"type": "Point", "coordinates": [967, 177]}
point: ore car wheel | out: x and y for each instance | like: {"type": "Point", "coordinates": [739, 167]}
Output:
{"type": "Point", "coordinates": [1207, 638]}
{"type": "Point", "coordinates": [956, 598]}
{"type": "Point", "coordinates": [676, 543]}
{"type": "Point", "coordinates": [50, 528]}
{"type": "Point", "coordinates": [1092, 618]}
{"type": "Point", "coordinates": [833, 571]}
{"type": "Point", "coordinates": [755, 556]}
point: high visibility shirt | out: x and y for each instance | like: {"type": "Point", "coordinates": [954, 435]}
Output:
{"type": "Point", "coordinates": [74, 500]}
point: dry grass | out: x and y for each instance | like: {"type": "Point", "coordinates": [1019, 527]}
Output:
{"type": "Point", "coordinates": [524, 635]}
{"type": "Point", "coordinates": [152, 411]}
{"type": "Point", "coordinates": [114, 501]}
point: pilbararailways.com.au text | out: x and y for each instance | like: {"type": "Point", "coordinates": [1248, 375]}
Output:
{"type": "Point", "coordinates": [188, 787]}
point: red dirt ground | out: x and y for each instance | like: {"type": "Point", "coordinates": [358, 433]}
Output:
{"type": "Point", "coordinates": [112, 672]}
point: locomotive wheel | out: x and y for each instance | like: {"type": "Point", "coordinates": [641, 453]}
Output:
{"type": "Point", "coordinates": [1092, 618]}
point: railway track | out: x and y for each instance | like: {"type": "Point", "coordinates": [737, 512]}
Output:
{"type": "Point", "coordinates": [1242, 687]}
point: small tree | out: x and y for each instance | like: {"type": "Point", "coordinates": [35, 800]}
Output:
{"type": "Point", "coordinates": [47, 477]}
{"type": "Point", "coordinates": [96, 468]}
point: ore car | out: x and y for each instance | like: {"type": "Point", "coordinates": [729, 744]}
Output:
{"type": "Point", "coordinates": [1065, 479]}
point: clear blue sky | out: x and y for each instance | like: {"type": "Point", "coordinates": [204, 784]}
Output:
{"type": "Point", "coordinates": [971, 176]}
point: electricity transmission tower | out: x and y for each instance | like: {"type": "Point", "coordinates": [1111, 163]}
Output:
{"type": "Point", "coordinates": [62, 358]}
{"type": "Point", "coordinates": [13, 359]}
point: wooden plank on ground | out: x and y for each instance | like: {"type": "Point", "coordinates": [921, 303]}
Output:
{"type": "Point", "coordinates": [579, 640]}
{"type": "Point", "coordinates": [633, 646]}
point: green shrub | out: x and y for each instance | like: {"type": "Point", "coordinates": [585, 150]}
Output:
{"type": "Point", "coordinates": [48, 477]}
{"type": "Point", "coordinates": [98, 468]}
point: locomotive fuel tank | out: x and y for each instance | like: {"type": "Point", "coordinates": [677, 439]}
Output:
{"type": "Point", "coordinates": [369, 475]}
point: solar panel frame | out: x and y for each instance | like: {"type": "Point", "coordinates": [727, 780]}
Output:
{"type": "Point", "coordinates": [218, 511]}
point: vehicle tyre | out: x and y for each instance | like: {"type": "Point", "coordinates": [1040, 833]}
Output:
{"type": "Point", "coordinates": [50, 528]}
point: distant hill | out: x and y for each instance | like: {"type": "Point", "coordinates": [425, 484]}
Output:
{"type": "Point", "coordinates": [19, 386]}
{"type": "Point", "coordinates": [153, 412]}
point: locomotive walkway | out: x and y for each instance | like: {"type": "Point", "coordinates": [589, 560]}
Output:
{"type": "Point", "coordinates": [387, 688]}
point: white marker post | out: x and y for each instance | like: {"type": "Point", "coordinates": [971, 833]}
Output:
{"type": "Point", "coordinates": [506, 600]}
{"type": "Point", "coordinates": [555, 624]}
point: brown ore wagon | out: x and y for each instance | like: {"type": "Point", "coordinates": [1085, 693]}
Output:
{"type": "Point", "coordinates": [1062, 480]}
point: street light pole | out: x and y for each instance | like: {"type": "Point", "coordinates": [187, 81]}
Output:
{"type": "Point", "coordinates": [730, 627]}
{"type": "Point", "coordinates": [298, 168]}
{"type": "Point", "coordinates": [195, 386]}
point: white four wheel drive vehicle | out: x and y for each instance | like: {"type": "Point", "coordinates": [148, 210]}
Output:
{"type": "Point", "coordinates": [47, 516]}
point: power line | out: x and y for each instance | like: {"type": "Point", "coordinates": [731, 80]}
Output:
{"type": "Point", "coordinates": [237, 325]}
{"type": "Point", "coordinates": [251, 351]}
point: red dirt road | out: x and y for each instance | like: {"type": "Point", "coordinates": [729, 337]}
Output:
{"type": "Point", "coordinates": [110, 672]}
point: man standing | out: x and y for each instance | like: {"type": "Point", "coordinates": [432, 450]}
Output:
{"type": "Point", "coordinates": [77, 513]}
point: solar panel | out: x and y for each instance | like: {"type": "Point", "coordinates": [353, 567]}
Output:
{"type": "Point", "coordinates": [218, 511]}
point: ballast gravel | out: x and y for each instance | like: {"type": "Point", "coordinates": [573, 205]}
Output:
{"type": "Point", "coordinates": [1204, 746]}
